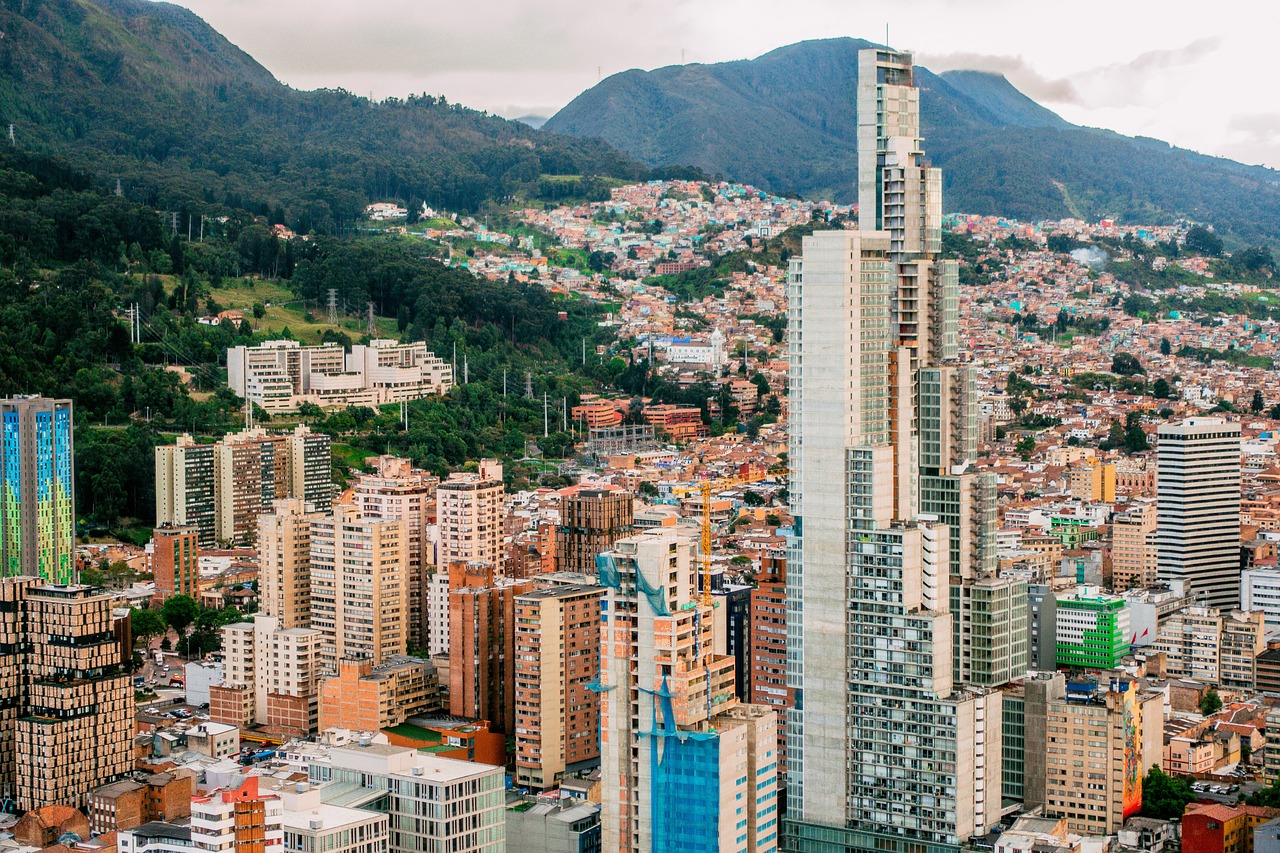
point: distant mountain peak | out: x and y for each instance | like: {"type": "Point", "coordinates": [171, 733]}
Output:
{"type": "Point", "coordinates": [787, 121]}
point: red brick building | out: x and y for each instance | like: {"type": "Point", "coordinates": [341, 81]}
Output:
{"type": "Point", "coordinates": [768, 684]}
{"type": "Point", "coordinates": [1221, 828]}
{"type": "Point", "coordinates": [175, 561]}
{"type": "Point", "coordinates": [481, 644]}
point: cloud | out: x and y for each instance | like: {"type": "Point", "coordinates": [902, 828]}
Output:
{"type": "Point", "coordinates": [1018, 71]}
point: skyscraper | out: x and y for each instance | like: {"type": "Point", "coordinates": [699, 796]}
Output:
{"type": "Point", "coordinates": [359, 586]}
{"type": "Point", "coordinates": [1198, 508]}
{"type": "Point", "coordinates": [37, 505]}
{"type": "Point", "coordinates": [886, 748]}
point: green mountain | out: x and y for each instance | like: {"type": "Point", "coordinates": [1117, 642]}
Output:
{"type": "Point", "coordinates": [149, 94]}
{"type": "Point", "coordinates": [787, 121]}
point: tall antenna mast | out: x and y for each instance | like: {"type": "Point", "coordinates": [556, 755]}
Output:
{"type": "Point", "coordinates": [13, 140]}
{"type": "Point", "coordinates": [370, 328]}
{"type": "Point", "coordinates": [333, 306]}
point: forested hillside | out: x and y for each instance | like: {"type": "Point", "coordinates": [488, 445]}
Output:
{"type": "Point", "coordinates": [149, 94]}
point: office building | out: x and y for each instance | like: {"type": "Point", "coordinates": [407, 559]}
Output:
{"type": "Point", "coordinates": [64, 684]}
{"type": "Point", "coordinates": [1198, 504]}
{"type": "Point", "coordinates": [222, 488]}
{"type": "Point", "coordinates": [469, 510]}
{"type": "Point", "coordinates": [367, 698]}
{"type": "Point", "coordinates": [482, 644]}
{"type": "Point", "coordinates": [672, 730]}
{"type": "Point", "coordinates": [1111, 736]}
{"type": "Point", "coordinates": [1260, 590]}
{"type": "Point", "coordinates": [279, 376]}
{"type": "Point", "coordinates": [1216, 647]}
{"type": "Point", "coordinates": [1134, 547]}
{"type": "Point", "coordinates": [37, 507]}
{"type": "Point", "coordinates": [591, 520]}
{"type": "Point", "coordinates": [175, 561]}
{"type": "Point", "coordinates": [1042, 627]}
{"type": "Point", "coordinates": [398, 490]}
{"type": "Point", "coordinates": [1092, 481]}
{"type": "Point", "coordinates": [434, 805]}
{"type": "Point", "coordinates": [1091, 630]}
{"type": "Point", "coordinates": [557, 661]}
{"type": "Point", "coordinates": [886, 750]}
{"type": "Point", "coordinates": [359, 586]}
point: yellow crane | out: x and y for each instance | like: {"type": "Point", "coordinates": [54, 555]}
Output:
{"type": "Point", "coordinates": [705, 488]}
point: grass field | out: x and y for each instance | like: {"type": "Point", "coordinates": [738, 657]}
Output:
{"type": "Point", "coordinates": [283, 308]}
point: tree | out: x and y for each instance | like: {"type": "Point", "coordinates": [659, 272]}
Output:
{"type": "Point", "coordinates": [1211, 703]}
{"type": "Point", "coordinates": [146, 624]}
{"type": "Point", "coordinates": [1160, 389]}
{"type": "Point", "coordinates": [1275, 411]}
{"type": "Point", "coordinates": [1025, 447]}
{"type": "Point", "coordinates": [1165, 347]}
{"type": "Point", "coordinates": [1126, 364]}
{"type": "Point", "coordinates": [1268, 797]}
{"type": "Point", "coordinates": [1203, 241]}
{"type": "Point", "coordinates": [179, 611]}
{"type": "Point", "coordinates": [1135, 439]}
{"type": "Point", "coordinates": [1165, 797]}
{"type": "Point", "coordinates": [1257, 404]}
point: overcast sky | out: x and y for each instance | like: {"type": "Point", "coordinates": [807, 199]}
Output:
{"type": "Point", "coordinates": [1199, 75]}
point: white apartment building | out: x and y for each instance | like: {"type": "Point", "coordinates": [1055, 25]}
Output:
{"type": "Point", "coordinates": [281, 375]}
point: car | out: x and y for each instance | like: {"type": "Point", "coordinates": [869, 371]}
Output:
{"type": "Point", "coordinates": [204, 706]}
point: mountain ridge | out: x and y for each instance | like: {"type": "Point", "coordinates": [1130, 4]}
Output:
{"type": "Point", "coordinates": [786, 121]}
{"type": "Point", "coordinates": [150, 94]}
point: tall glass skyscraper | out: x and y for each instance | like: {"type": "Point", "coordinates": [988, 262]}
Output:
{"type": "Point", "coordinates": [37, 489]}
{"type": "Point", "coordinates": [893, 743]}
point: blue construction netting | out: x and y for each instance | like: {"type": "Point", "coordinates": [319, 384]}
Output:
{"type": "Point", "coordinates": [611, 577]}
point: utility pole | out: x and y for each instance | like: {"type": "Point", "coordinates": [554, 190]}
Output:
{"type": "Point", "coordinates": [404, 414]}
{"type": "Point", "coordinates": [584, 351]}
{"type": "Point", "coordinates": [546, 431]}
{"type": "Point", "coordinates": [466, 370]}
{"type": "Point", "coordinates": [333, 306]}
{"type": "Point", "coordinates": [564, 418]}
{"type": "Point", "coordinates": [370, 328]}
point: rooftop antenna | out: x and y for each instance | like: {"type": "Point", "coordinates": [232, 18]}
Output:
{"type": "Point", "coordinates": [886, 33]}
{"type": "Point", "coordinates": [599, 73]}
{"type": "Point", "coordinates": [333, 306]}
{"type": "Point", "coordinates": [682, 56]}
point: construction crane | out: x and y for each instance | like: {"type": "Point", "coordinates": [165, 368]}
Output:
{"type": "Point", "coordinates": [705, 488]}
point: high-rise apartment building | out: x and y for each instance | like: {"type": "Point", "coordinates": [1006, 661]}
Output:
{"type": "Point", "coordinates": [66, 702]}
{"type": "Point", "coordinates": [185, 487]}
{"type": "Point", "coordinates": [591, 520]}
{"type": "Point", "coordinates": [241, 819]}
{"type": "Point", "coordinates": [364, 698]}
{"type": "Point", "coordinates": [557, 661]}
{"type": "Point", "coordinates": [482, 644]}
{"type": "Point", "coordinates": [222, 488]}
{"type": "Point", "coordinates": [1198, 504]}
{"type": "Point", "coordinates": [398, 490]}
{"type": "Point", "coordinates": [359, 586]}
{"type": "Point", "coordinates": [37, 504]}
{"type": "Point", "coordinates": [1098, 744]}
{"type": "Point", "coordinates": [672, 731]}
{"type": "Point", "coordinates": [1134, 549]}
{"type": "Point", "coordinates": [271, 677]}
{"type": "Point", "coordinates": [1217, 647]}
{"type": "Point", "coordinates": [887, 749]}
{"type": "Point", "coordinates": [284, 575]}
{"type": "Point", "coordinates": [768, 683]}
{"type": "Point", "coordinates": [469, 510]}
{"type": "Point", "coordinates": [175, 561]}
